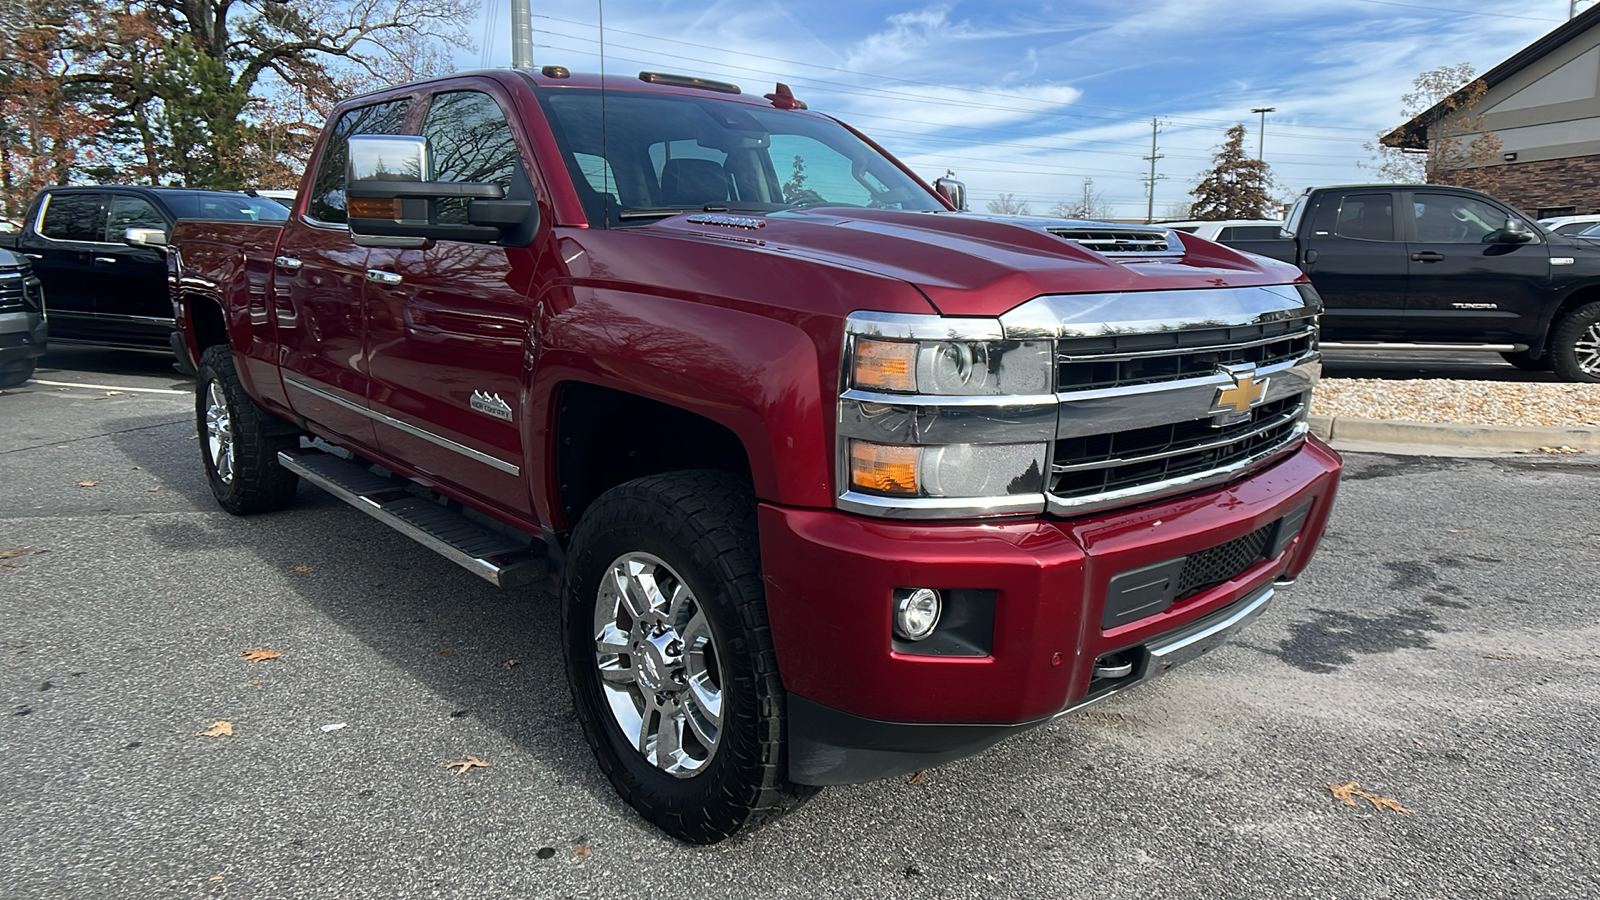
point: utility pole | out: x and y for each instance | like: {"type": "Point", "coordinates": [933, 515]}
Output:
{"type": "Point", "coordinates": [521, 34]}
{"type": "Point", "coordinates": [1150, 202]}
{"type": "Point", "coordinates": [1261, 134]}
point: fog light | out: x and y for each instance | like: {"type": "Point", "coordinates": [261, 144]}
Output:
{"type": "Point", "coordinates": [917, 613]}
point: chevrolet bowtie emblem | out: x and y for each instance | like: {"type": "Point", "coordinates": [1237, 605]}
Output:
{"type": "Point", "coordinates": [1245, 392]}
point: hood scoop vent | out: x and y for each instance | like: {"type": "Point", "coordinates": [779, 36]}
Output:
{"type": "Point", "coordinates": [1124, 244]}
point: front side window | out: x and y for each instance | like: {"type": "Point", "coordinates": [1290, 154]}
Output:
{"type": "Point", "coordinates": [131, 212]}
{"type": "Point", "coordinates": [74, 217]}
{"type": "Point", "coordinates": [327, 203]}
{"type": "Point", "coordinates": [469, 140]}
{"type": "Point", "coordinates": [1451, 219]}
{"type": "Point", "coordinates": [659, 154]}
{"type": "Point", "coordinates": [1366, 217]}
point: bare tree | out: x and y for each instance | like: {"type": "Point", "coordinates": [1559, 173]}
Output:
{"type": "Point", "coordinates": [1008, 204]}
{"type": "Point", "coordinates": [1091, 204]}
{"type": "Point", "coordinates": [1451, 144]}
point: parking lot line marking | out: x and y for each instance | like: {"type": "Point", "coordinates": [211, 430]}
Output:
{"type": "Point", "coordinates": [109, 387]}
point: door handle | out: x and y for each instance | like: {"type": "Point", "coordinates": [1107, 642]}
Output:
{"type": "Point", "coordinates": [287, 263]}
{"type": "Point", "coordinates": [1427, 256]}
{"type": "Point", "coordinates": [378, 276]}
{"type": "Point", "coordinates": [105, 259]}
{"type": "Point", "coordinates": [34, 255]}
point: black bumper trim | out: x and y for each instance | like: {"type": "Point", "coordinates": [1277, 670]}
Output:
{"type": "Point", "coordinates": [827, 746]}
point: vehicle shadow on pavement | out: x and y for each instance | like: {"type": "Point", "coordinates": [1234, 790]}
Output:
{"type": "Point", "coordinates": [492, 656]}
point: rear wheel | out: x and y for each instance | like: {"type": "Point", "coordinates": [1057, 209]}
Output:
{"type": "Point", "coordinates": [670, 657]}
{"type": "Point", "coordinates": [239, 451]}
{"type": "Point", "coordinates": [16, 374]}
{"type": "Point", "coordinates": [1575, 344]}
{"type": "Point", "coordinates": [1527, 363]}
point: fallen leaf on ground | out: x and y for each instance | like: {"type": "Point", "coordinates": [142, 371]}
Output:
{"type": "Point", "coordinates": [87, 483]}
{"type": "Point", "coordinates": [471, 762]}
{"type": "Point", "coordinates": [1458, 530]}
{"type": "Point", "coordinates": [579, 851]}
{"type": "Point", "coordinates": [1499, 656]}
{"type": "Point", "coordinates": [154, 489]}
{"type": "Point", "coordinates": [512, 663]}
{"type": "Point", "coordinates": [218, 730]}
{"type": "Point", "coordinates": [300, 570]}
{"type": "Point", "coordinates": [920, 778]}
{"type": "Point", "coordinates": [446, 652]}
{"type": "Point", "coordinates": [1347, 793]}
{"type": "Point", "coordinates": [259, 655]}
{"type": "Point", "coordinates": [215, 878]}
{"type": "Point", "coordinates": [14, 552]}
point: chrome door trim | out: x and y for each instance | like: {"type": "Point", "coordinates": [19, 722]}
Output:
{"type": "Point", "coordinates": [119, 317]}
{"type": "Point", "coordinates": [430, 437]}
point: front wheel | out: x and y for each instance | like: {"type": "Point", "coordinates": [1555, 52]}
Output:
{"type": "Point", "coordinates": [238, 448]}
{"type": "Point", "coordinates": [1575, 345]}
{"type": "Point", "coordinates": [670, 657]}
{"type": "Point", "coordinates": [16, 374]}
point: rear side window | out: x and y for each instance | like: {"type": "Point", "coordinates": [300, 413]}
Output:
{"type": "Point", "coordinates": [327, 202]}
{"type": "Point", "coordinates": [469, 140]}
{"type": "Point", "coordinates": [131, 212]}
{"type": "Point", "coordinates": [1250, 233]}
{"type": "Point", "coordinates": [1366, 217]}
{"type": "Point", "coordinates": [74, 217]}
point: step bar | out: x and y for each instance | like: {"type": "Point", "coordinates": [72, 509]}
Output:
{"type": "Point", "coordinates": [1429, 348]}
{"type": "Point", "coordinates": [492, 556]}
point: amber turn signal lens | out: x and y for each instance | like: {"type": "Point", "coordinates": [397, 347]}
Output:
{"type": "Point", "coordinates": [883, 468]}
{"type": "Point", "coordinates": [886, 365]}
{"type": "Point", "coordinates": [373, 208]}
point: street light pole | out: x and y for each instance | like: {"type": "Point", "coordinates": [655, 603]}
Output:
{"type": "Point", "coordinates": [521, 34]}
{"type": "Point", "coordinates": [1261, 134]}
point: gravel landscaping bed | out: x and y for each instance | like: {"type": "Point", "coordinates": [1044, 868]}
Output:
{"type": "Point", "coordinates": [1460, 402]}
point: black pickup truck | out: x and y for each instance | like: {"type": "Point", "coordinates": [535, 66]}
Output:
{"type": "Point", "coordinates": [1432, 267]}
{"type": "Point", "coordinates": [104, 290]}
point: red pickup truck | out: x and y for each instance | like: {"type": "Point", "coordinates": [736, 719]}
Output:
{"type": "Point", "coordinates": [838, 482]}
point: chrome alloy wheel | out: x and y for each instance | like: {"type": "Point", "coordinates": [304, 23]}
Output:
{"type": "Point", "coordinates": [658, 662]}
{"type": "Point", "coordinates": [219, 433]}
{"type": "Point", "coordinates": [1587, 349]}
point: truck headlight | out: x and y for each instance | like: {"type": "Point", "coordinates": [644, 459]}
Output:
{"type": "Point", "coordinates": [952, 368]}
{"type": "Point", "coordinates": [948, 470]}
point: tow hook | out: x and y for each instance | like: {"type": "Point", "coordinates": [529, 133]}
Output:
{"type": "Point", "coordinates": [1112, 665]}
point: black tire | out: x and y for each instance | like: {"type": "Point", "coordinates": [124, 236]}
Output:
{"type": "Point", "coordinates": [249, 479]}
{"type": "Point", "coordinates": [1575, 344]}
{"type": "Point", "coordinates": [1527, 363]}
{"type": "Point", "coordinates": [700, 527]}
{"type": "Point", "coordinates": [16, 374]}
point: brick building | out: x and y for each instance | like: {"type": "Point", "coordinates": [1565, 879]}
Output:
{"type": "Point", "coordinates": [1544, 105]}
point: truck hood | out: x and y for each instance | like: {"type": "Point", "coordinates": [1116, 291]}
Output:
{"type": "Point", "coordinates": [977, 265]}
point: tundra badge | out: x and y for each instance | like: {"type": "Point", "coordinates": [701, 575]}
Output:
{"type": "Point", "coordinates": [491, 405]}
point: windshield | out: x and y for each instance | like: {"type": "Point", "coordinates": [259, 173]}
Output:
{"type": "Point", "coordinates": [659, 154]}
{"type": "Point", "coordinates": [224, 205]}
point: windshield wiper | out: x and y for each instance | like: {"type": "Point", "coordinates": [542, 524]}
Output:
{"type": "Point", "coordinates": [661, 212]}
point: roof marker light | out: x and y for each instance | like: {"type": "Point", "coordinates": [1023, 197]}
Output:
{"type": "Point", "coordinates": [689, 81]}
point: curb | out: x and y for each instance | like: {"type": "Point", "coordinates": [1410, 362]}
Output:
{"type": "Point", "coordinates": [1498, 438]}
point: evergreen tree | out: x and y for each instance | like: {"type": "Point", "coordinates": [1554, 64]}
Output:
{"type": "Point", "coordinates": [1236, 186]}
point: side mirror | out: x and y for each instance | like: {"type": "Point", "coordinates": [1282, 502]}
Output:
{"type": "Point", "coordinates": [389, 194]}
{"type": "Point", "coordinates": [953, 191]}
{"type": "Point", "coordinates": [1514, 232]}
{"type": "Point", "coordinates": [153, 238]}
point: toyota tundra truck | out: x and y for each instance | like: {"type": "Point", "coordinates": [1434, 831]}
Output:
{"type": "Point", "coordinates": [836, 481]}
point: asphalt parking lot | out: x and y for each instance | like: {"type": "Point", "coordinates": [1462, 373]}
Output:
{"type": "Point", "coordinates": [1443, 651]}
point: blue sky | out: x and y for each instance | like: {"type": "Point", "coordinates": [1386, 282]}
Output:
{"type": "Point", "coordinates": [1032, 98]}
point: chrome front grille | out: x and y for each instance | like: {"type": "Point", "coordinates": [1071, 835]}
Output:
{"type": "Point", "coordinates": [1115, 463]}
{"type": "Point", "coordinates": [1113, 241]}
{"type": "Point", "coordinates": [1120, 360]}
